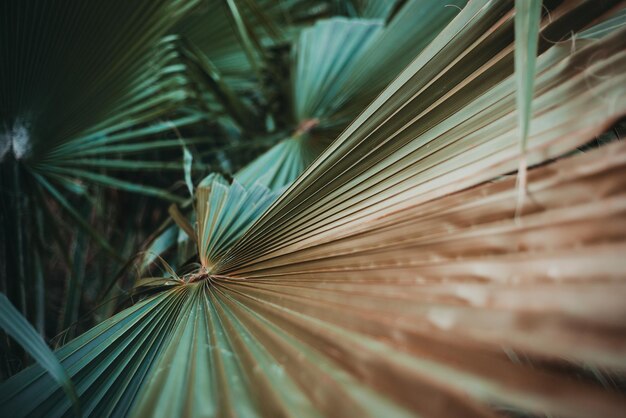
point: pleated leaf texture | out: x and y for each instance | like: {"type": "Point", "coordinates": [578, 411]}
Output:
{"type": "Point", "coordinates": [47, 113]}
{"type": "Point", "coordinates": [225, 211]}
{"type": "Point", "coordinates": [339, 65]}
{"type": "Point", "coordinates": [83, 90]}
{"type": "Point", "coordinates": [393, 277]}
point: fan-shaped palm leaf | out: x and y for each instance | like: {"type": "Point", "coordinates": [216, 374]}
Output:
{"type": "Point", "coordinates": [80, 85]}
{"type": "Point", "coordinates": [340, 66]}
{"type": "Point", "coordinates": [392, 278]}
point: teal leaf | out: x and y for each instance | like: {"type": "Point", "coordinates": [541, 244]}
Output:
{"type": "Point", "coordinates": [16, 326]}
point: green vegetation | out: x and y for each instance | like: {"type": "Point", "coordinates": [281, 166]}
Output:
{"type": "Point", "coordinates": [312, 208]}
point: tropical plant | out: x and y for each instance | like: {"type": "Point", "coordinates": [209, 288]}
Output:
{"type": "Point", "coordinates": [422, 237]}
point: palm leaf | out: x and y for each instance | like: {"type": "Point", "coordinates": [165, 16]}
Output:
{"type": "Point", "coordinates": [527, 16]}
{"type": "Point", "coordinates": [340, 66]}
{"type": "Point", "coordinates": [282, 163]}
{"type": "Point", "coordinates": [392, 278]}
{"type": "Point", "coordinates": [33, 86]}
{"type": "Point", "coordinates": [84, 83]}
{"type": "Point", "coordinates": [224, 213]}
{"type": "Point", "coordinates": [396, 150]}
{"type": "Point", "coordinates": [111, 108]}
{"type": "Point", "coordinates": [326, 54]}
{"type": "Point", "coordinates": [257, 345]}
{"type": "Point", "coordinates": [16, 326]}
{"type": "Point", "coordinates": [318, 93]}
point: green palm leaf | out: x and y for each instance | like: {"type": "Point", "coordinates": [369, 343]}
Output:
{"type": "Point", "coordinates": [329, 55]}
{"type": "Point", "coordinates": [392, 278]}
{"type": "Point", "coordinates": [79, 82]}
{"type": "Point", "coordinates": [527, 16]}
{"type": "Point", "coordinates": [340, 66]}
{"type": "Point", "coordinates": [15, 325]}
{"type": "Point", "coordinates": [225, 212]}
{"type": "Point", "coordinates": [258, 346]}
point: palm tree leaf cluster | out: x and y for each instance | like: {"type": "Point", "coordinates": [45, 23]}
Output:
{"type": "Point", "coordinates": [380, 207]}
